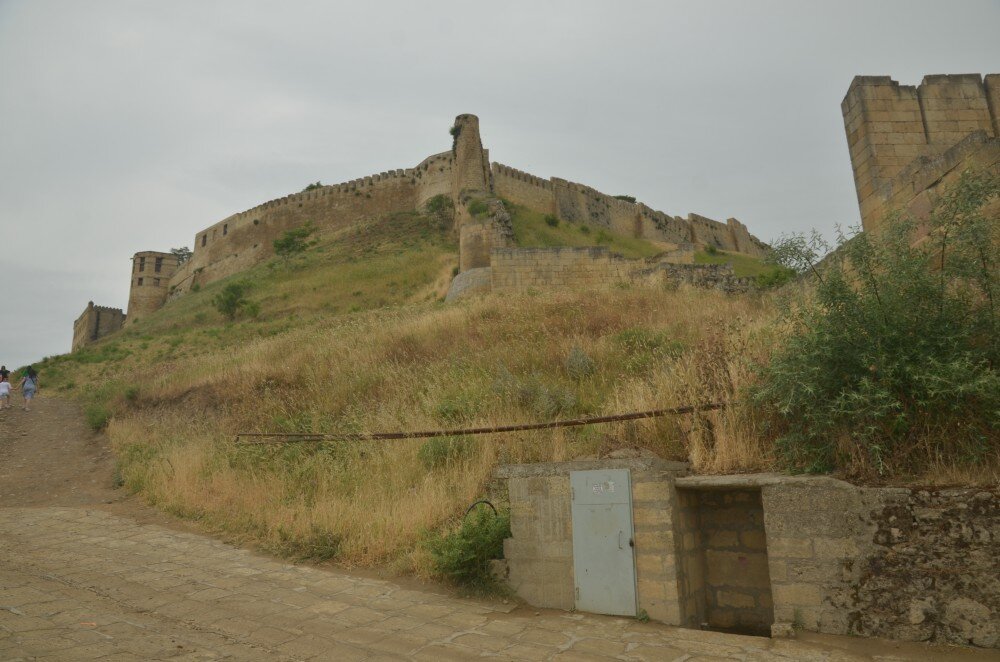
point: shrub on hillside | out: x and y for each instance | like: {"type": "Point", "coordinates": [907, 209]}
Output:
{"type": "Point", "coordinates": [892, 364]}
{"type": "Point", "coordinates": [479, 208]}
{"type": "Point", "coordinates": [578, 364]}
{"type": "Point", "coordinates": [463, 556]}
{"type": "Point", "coordinates": [232, 299]}
{"type": "Point", "coordinates": [294, 242]}
{"type": "Point", "coordinates": [97, 416]}
{"type": "Point", "coordinates": [551, 220]}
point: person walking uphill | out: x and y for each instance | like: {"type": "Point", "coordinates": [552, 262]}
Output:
{"type": "Point", "coordinates": [28, 385]}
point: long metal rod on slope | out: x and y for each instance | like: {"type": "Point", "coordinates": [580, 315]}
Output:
{"type": "Point", "coordinates": [293, 437]}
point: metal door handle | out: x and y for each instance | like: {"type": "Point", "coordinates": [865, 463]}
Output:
{"type": "Point", "coordinates": [620, 539]}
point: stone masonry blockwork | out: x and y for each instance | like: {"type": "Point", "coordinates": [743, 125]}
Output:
{"type": "Point", "coordinates": [245, 239]}
{"type": "Point", "coordinates": [812, 553]}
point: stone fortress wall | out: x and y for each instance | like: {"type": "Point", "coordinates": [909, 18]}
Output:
{"type": "Point", "coordinates": [243, 240]}
{"type": "Point", "coordinates": [908, 142]}
{"type": "Point", "coordinates": [94, 323]}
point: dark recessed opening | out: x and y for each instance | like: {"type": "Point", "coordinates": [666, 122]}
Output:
{"type": "Point", "coordinates": [724, 577]}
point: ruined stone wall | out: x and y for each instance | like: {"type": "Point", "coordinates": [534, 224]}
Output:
{"type": "Point", "coordinates": [523, 189]}
{"type": "Point", "coordinates": [888, 125]}
{"type": "Point", "coordinates": [577, 203]}
{"type": "Point", "coordinates": [933, 570]}
{"type": "Point", "coordinates": [917, 188]}
{"type": "Point", "coordinates": [472, 166]}
{"type": "Point", "coordinates": [243, 240]}
{"type": "Point", "coordinates": [522, 269]}
{"type": "Point", "coordinates": [94, 323]}
{"type": "Point", "coordinates": [433, 176]}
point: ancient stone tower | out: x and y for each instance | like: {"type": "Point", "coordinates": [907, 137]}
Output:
{"type": "Point", "coordinates": [904, 139]}
{"type": "Point", "coordinates": [151, 273]}
{"type": "Point", "coordinates": [94, 323]}
{"type": "Point", "coordinates": [472, 163]}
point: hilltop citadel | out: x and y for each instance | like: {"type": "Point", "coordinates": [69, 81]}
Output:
{"type": "Point", "coordinates": [904, 141]}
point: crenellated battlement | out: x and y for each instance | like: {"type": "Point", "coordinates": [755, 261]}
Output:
{"type": "Point", "coordinates": [890, 127]}
{"type": "Point", "coordinates": [244, 239]}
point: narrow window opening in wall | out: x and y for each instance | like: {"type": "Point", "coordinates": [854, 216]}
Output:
{"type": "Point", "coordinates": [225, 229]}
{"type": "Point", "coordinates": [138, 281]}
{"type": "Point", "coordinates": [724, 561]}
{"type": "Point", "coordinates": [204, 239]}
{"type": "Point", "coordinates": [142, 264]}
{"type": "Point", "coordinates": [158, 264]}
{"type": "Point", "coordinates": [156, 281]}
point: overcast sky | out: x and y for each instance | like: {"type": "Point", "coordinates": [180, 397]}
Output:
{"type": "Point", "coordinates": [128, 126]}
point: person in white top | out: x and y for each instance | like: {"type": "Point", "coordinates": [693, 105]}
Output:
{"type": "Point", "coordinates": [4, 394]}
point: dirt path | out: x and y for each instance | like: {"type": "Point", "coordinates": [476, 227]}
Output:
{"type": "Point", "coordinates": [89, 573]}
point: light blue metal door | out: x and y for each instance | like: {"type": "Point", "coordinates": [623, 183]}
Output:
{"type": "Point", "coordinates": [603, 562]}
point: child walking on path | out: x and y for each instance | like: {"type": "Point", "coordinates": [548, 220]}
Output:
{"type": "Point", "coordinates": [29, 385]}
{"type": "Point", "coordinates": [4, 393]}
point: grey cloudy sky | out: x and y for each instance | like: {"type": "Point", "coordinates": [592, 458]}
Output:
{"type": "Point", "coordinates": [130, 125]}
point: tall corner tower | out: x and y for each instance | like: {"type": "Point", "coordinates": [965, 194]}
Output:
{"type": "Point", "coordinates": [472, 168]}
{"type": "Point", "coordinates": [151, 273]}
{"type": "Point", "coordinates": [888, 125]}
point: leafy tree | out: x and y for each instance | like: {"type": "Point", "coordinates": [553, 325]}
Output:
{"type": "Point", "coordinates": [626, 198]}
{"type": "Point", "coordinates": [313, 186]}
{"type": "Point", "coordinates": [891, 365]}
{"type": "Point", "coordinates": [232, 299]}
{"type": "Point", "coordinates": [294, 242]}
{"type": "Point", "coordinates": [442, 209]}
{"type": "Point", "coordinates": [183, 254]}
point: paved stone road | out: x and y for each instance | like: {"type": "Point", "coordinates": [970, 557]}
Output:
{"type": "Point", "coordinates": [79, 584]}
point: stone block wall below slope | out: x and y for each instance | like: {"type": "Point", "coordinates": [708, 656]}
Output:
{"type": "Point", "coordinates": [743, 551]}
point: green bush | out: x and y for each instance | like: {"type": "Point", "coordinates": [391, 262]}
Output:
{"type": "Point", "coordinates": [578, 364]}
{"type": "Point", "coordinates": [232, 299]}
{"type": "Point", "coordinates": [294, 242]}
{"type": "Point", "coordinates": [891, 367]}
{"type": "Point", "coordinates": [551, 220]}
{"type": "Point", "coordinates": [463, 556]}
{"type": "Point", "coordinates": [97, 416]}
{"type": "Point", "coordinates": [626, 198]}
{"type": "Point", "coordinates": [479, 208]}
{"type": "Point", "coordinates": [438, 452]}
{"type": "Point", "coordinates": [711, 249]}
{"type": "Point", "coordinates": [312, 187]}
{"type": "Point", "coordinates": [774, 278]}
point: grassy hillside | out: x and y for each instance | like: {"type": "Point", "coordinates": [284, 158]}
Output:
{"type": "Point", "coordinates": [743, 265]}
{"type": "Point", "coordinates": [354, 338]}
{"type": "Point", "coordinates": [532, 230]}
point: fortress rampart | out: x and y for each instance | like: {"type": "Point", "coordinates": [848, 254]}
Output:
{"type": "Point", "coordinates": [94, 323]}
{"type": "Point", "coordinates": [243, 240]}
{"type": "Point", "coordinates": [907, 141]}
{"type": "Point", "coordinates": [577, 203]}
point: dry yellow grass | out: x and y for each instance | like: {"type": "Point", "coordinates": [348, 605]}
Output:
{"type": "Point", "coordinates": [491, 361]}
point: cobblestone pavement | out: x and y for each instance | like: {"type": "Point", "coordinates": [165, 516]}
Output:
{"type": "Point", "coordinates": [82, 584]}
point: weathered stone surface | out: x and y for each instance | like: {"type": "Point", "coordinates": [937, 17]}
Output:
{"type": "Point", "coordinates": [64, 595]}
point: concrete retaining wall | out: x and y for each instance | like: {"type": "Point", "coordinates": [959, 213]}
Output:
{"type": "Point", "coordinates": [743, 552]}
